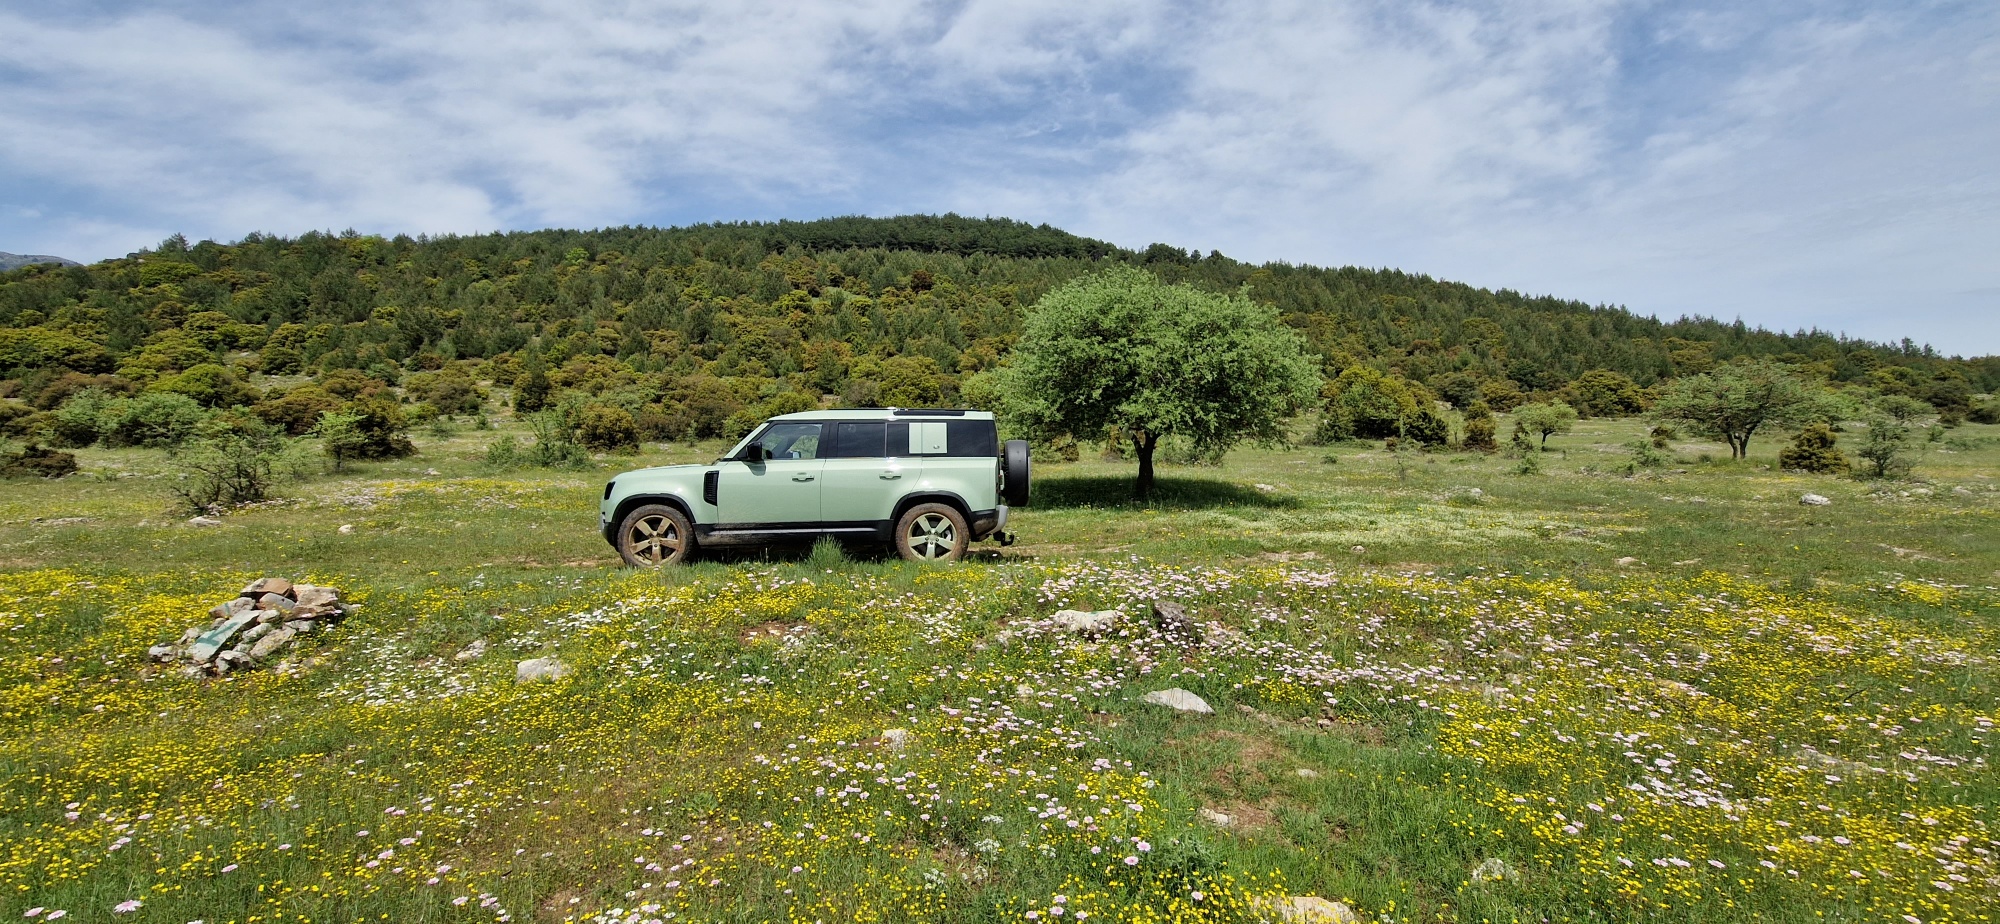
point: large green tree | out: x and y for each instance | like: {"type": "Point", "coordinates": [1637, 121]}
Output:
{"type": "Point", "coordinates": [1119, 348]}
{"type": "Point", "coordinates": [1734, 401]}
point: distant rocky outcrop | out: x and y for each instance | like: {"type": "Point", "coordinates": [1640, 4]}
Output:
{"type": "Point", "coordinates": [10, 261]}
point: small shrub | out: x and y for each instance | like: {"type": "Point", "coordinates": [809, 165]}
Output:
{"type": "Point", "coordinates": [601, 428]}
{"type": "Point", "coordinates": [1480, 435]}
{"type": "Point", "coordinates": [231, 462]}
{"type": "Point", "coordinates": [554, 446]}
{"type": "Point", "coordinates": [1530, 464]}
{"type": "Point", "coordinates": [37, 462]}
{"type": "Point", "coordinates": [1813, 450]}
{"type": "Point", "coordinates": [1887, 448]}
{"type": "Point", "coordinates": [154, 419]}
{"type": "Point", "coordinates": [1647, 455]}
{"type": "Point", "coordinates": [1661, 434]}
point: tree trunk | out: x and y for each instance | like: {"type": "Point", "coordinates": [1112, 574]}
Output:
{"type": "Point", "coordinates": [1144, 443]}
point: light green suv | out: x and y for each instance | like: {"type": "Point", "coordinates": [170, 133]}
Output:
{"type": "Point", "coordinates": [929, 482]}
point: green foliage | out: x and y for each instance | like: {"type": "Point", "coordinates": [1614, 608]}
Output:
{"type": "Point", "coordinates": [1480, 434]}
{"type": "Point", "coordinates": [554, 445]}
{"type": "Point", "coordinates": [208, 384]}
{"type": "Point", "coordinates": [1366, 403]}
{"type": "Point", "coordinates": [1647, 455]}
{"type": "Point", "coordinates": [1887, 448]}
{"type": "Point", "coordinates": [1604, 393]}
{"type": "Point", "coordinates": [448, 392]}
{"type": "Point", "coordinates": [1813, 450]}
{"type": "Point", "coordinates": [366, 429]}
{"type": "Point", "coordinates": [1903, 409]}
{"type": "Point", "coordinates": [154, 419]}
{"type": "Point", "coordinates": [1545, 420]}
{"type": "Point", "coordinates": [1122, 349]}
{"type": "Point", "coordinates": [742, 422]}
{"type": "Point", "coordinates": [1734, 401]}
{"type": "Point", "coordinates": [603, 428]}
{"type": "Point", "coordinates": [35, 461]}
{"type": "Point", "coordinates": [297, 411]}
{"type": "Point", "coordinates": [233, 461]}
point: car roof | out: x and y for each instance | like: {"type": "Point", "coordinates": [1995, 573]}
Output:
{"type": "Point", "coordinates": [889, 413]}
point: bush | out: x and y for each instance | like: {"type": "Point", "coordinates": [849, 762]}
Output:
{"type": "Point", "coordinates": [601, 428]}
{"type": "Point", "coordinates": [155, 419]}
{"type": "Point", "coordinates": [1887, 448]}
{"type": "Point", "coordinates": [553, 446]}
{"type": "Point", "coordinates": [1427, 427]}
{"type": "Point", "coordinates": [36, 462]}
{"type": "Point", "coordinates": [1661, 434]}
{"type": "Point", "coordinates": [297, 411]}
{"type": "Point", "coordinates": [1480, 435]}
{"type": "Point", "coordinates": [1647, 455]}
{"type": "Point", "coordinates": [232, 461]}
{"type": "Point", "coordinates": [209, 384]}
{"type": "Point", "coordinates": [1813, 451]}
{"type": "Point", "coordinates": [75, 424]}
{"type": "Point", "coordinates": [1986, 412]}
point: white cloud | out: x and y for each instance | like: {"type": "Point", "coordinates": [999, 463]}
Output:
{"type": "Point", "coordinates": [1794, 168]}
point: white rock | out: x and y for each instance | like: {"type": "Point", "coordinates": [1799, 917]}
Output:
{"type": "Point", "coordinates": [1306, 773]}
{"type": "Point", "coordinates": [471, 652]}
{"type": "Point", "coordinates": [272, 643]}
{"type": "Point", "coordinates": [347, 529]}
{"type": "Point", "coordinates": [1814, 500]}
{"type": "Point", "coordinates": [535, 669]}
{"type": "Point", "coordinates": [1962, 491]}
{"type": "Point", "coordinates": [1178, 700]}
{"type": "Point", "coordinates": [1218, 819]}
{"type": "Point", "coordinates": [1312, 909]}
{"type": "Point", "coordinates": [204, 521]}
{"type": "Point", "coordinates": [1359, 549]}
{"type": "Point", "coordinates": [161, 652]}
{"type": "Point", "coordinates": [1092, 625]}
{"type": "Point", "coordinates": [1494, 869]}
{"type": "Point", "coordinates": [896, 739]}
{"type": "Point", "coordinates": [1627, 562]}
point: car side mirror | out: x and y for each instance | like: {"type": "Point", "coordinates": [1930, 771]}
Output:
{"type": "Point", "coordinates": [758, 452]}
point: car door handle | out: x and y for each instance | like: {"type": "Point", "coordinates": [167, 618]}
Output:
{"type": "Point", "coordinates": [802, 477]}
{"type": "Point", "coordinates": [889, 476]}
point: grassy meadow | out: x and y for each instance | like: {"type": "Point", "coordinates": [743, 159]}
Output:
{"type": "Point", "coordinates": [1444, 690]}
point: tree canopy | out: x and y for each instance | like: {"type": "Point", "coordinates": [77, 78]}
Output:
{"type": "Point", "coordinates": [1121, 349]}
{"type": "Point", "coordinates": [1736, 400]}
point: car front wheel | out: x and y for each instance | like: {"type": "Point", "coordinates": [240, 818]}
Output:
{"type": "Point", "coordinates": [932, 532]}
{"type": "Point", "coordinates": [655, 535]}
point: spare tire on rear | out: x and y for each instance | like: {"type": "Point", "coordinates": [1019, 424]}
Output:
{"type": "Point", "coordinates": [1014, 473]}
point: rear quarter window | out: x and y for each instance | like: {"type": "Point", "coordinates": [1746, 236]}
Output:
{"type": "Point", "coordinates": [964, 439]}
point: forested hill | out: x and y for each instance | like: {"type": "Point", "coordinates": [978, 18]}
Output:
{"type": "Point", "coordinates": [857, 307]}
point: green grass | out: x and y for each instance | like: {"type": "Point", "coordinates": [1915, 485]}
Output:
{"type": "Point", "coordinates": [1450, 668]}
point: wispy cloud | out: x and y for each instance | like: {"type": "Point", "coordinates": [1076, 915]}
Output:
{"type": "Point", "coordinates": [1818, 165]}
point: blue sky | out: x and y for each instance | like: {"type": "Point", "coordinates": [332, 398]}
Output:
{"type": "Point", "coordinates": [1794, 164]}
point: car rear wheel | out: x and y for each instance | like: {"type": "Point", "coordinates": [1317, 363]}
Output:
{"type": "Point", "coordinates": [655, 535]}
{"type": "Point", "coordinates": [932, 532]}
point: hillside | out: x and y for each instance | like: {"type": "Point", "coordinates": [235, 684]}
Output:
{"type": "Point", "coordinates": [871, 310]}
{"type": "Point", "coordinates": [13, 261]}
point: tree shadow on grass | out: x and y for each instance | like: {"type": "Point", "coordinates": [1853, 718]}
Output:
{"type": "Point", "coordinates": [1112, 492]}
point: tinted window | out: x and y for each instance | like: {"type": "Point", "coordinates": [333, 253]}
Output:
{"type": "Point", "coordinates": [858, 440]}
{"type": "Point", "coordinates": [970, 438]}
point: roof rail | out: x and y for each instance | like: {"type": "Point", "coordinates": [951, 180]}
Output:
{"type": "Point", "coordinates": [926, 412]}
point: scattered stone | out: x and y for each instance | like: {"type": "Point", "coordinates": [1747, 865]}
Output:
{"type": "Point", "coordinates": [1089, 625]}
{"type": "Point", "coordinates": [267, 585]}
{"type": "Point", "coordinates": [346, 529]}
{"type": "Point", "coordinates": [1920, 492]}
{"type": "Point", "coordinates": [204, 521]}
{"type": "Point", "coordinates": [1686, 562]}
{"type": "Point", "coordinates": [431, 472]}
{"type": "Point", "coordinates": [1306, 773]}
{"type": "Point", "coordinates": [1178, 700]}
{"type": "Point", "coordinates": [1494, 869]}
{"type": "Point", "coordinates": [896, 740]}
{"type": "Point", "coordinates": [272, 642]}
{"type": "Point", "coordinates": [1023, 693]}
{"type": "Point", "coordinates": [1308, 909]}
{"type": "Point", "coordinates": [535, 669]}
{"type": "Point", "coordinates": [471, 652]}
{"type": "Point", "coordinates": [1627, 562]}
{"type": "Point", "coordinates": [1814, 500]}
{"type": "Point", "coordinates": [254, 627]}
{"type": "Point", "coordinates": [1358, 550]}
{"type": "Point", "coordinates": [1266, 488]}
{"type": "Point", "coordinates": [1218, 819]}
{"type": "Point", "coordinates": [1173, 619]}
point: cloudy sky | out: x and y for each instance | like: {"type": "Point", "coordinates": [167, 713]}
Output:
{"type": "Point", "coordinates": [1795, 164]}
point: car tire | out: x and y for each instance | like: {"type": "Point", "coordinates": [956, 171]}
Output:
{"type": "Point", "coordinates": [932, 533]}
{"type": "Point", "coordinates": [1014, 472]}
{"type": "Point", "coordinates": [655, 535]}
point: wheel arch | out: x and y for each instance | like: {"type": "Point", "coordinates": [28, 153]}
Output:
{"type": "Point", "coordinates": [931, 497]}
{"type": "Point", "coordinates": [626, 506]}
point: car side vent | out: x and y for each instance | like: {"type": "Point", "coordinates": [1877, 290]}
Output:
{"type": "Point", "coordinates": [709, 482]}
{"type": "Point", "coordinates": [607, 488]}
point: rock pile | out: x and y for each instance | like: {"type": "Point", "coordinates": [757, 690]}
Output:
{"type": "Point", "coordinates": [261, 624]}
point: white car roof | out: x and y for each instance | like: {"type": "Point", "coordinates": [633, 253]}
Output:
{"type": "Point", "coordinates": [889, 413]}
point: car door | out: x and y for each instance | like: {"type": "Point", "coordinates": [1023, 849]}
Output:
{"type": "Point", "coordinates": [780, 492]}
{"type": "Point", "coordinates": [862, 479]}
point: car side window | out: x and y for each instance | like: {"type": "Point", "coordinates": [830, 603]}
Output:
{"type": "Point", "coordinates": [863, 439]}
{"type": "Point", "coordinates": [791, 440]}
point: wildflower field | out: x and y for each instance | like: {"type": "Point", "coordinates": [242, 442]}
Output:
{"type": "Point", "coordinates": [1771, 713]}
